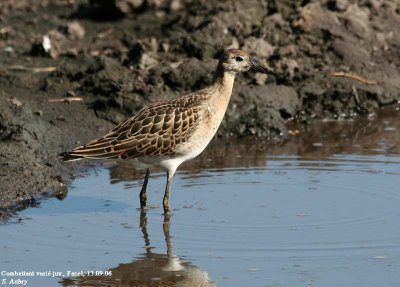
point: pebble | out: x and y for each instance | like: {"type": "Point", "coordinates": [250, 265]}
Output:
{"type": "Point", "coordinates": [39, 113]}
{"type": "Point", "coordinates": [9, 49]}
{"type": "Point", "coordinates": [15, 101]}
{"type": "Point", "coordinates": [75, 30]}
{"type": "Point", "coordinates": [389, 129]}
{"type": "Point", "coordinates": [128, 6]}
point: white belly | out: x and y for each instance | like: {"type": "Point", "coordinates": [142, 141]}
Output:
{"type": "Point", "coordinates": [168, 163]}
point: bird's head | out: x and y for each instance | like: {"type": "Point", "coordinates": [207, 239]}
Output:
{"type": "Point", "coordinates": [234, 60]}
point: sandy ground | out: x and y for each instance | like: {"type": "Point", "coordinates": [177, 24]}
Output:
{"type": "Point", "coordinates": [114, 56]}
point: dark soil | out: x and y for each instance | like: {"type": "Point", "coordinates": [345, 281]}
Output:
{"type": "Point", "coordinates": [118, 55]}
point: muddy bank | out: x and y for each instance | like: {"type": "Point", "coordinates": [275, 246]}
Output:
{"type": "Point", "coordinates": [111, 57]}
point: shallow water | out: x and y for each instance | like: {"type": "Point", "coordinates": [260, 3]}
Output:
{"type": "Point", "coordinates": [321, 209]}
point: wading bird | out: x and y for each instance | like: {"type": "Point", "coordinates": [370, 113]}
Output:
{"type": "Point", "coordinates": [167, 133]}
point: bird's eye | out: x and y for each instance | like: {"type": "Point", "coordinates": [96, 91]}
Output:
{"type": "Point", "coordinates": [239, 59]}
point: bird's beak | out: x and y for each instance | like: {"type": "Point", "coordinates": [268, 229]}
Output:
{"type": "Point", "coordinates": [254, 66]}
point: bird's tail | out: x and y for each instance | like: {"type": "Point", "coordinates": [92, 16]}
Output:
{"type": "Point", "coordinates": [97, 149]}
{"type": "Point", "coordinates": [69, 156]}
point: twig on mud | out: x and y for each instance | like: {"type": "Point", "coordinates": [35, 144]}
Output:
{"type": "Point", "coordinates": [33, 70]}
{"type": "Point", "coordinates": [18, 68]}
{"type": "Point", "coordinates": [354, 77]}
{"type": "Point", "coordinates": [37, 164]}
{"type": "Point", "coordinates": [357, 97]}
{"type": "Point", "coordinates": [66, 100]}
{"type": "Point", "coordinates": [44, 69]}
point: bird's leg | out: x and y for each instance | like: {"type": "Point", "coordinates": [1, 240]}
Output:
{"type": "Point", "coordinates": [167, 193]}
{"type": "Point", "coordinates": [143, 196]}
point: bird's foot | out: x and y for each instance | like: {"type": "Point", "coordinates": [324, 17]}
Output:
{"type": "Point", "coordinates": [167, 208]}
{"type": "Point", "coordinates": [143, 200]}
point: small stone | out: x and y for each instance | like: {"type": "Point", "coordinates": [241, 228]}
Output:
{"type": "Point", "coordinates": [73, 52]}
{"type": "Point", "coordinates": [128, 6]}
{"type": "Point", "coordinates": [39, 113]}
{"type": "Point", "coordinates": [153, 44]}
{"type": "Point", "coordinates": [294, 132]}
{"type": "Point", "coordinates": [52, 44]}
{"type": "Point", "coordinates": [95, 53]}
{"type": "Point", "coordinates": [389, 129]}
{"type": "Point", "coordinates": [15, 101]}
{"type": "Point", "coordinates": [176, 5]}
{"type": "Point", "coordinates": [71, 94]}
{"type": "Point", "coordinates": [9, 49]}
{"type": "Point", "coordinates": [160, 14]}
{"type": "Point", "coordinates": [165, 46]}
{"type": "Point", "coordinates": [75, 30]}
{"type": "Point", "coordinates": [147, 62]}
{"type": "Point", "coordinates": [46, 43]}
{"type": "Point", "coordinates": [260, 78]}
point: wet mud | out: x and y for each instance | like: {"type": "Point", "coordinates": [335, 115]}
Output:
{"type": "Point", "coordinates": [72, 69]}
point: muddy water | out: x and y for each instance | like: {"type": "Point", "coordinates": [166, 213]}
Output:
{"type": "Point", "coordinates": [321, 209]}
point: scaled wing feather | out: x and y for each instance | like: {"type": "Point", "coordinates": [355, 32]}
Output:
{"type": "Point", "coordinates": [155, 130]}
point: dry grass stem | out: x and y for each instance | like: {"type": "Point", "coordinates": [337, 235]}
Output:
{"type": "Point", "coordinates": [355, 77]}
{"type": "Point", "coordinates": [66, 100]}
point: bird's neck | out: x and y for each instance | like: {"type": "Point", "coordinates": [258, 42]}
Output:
{"type": "Point", "coordinates": [222, 82]}
{"type": "Point", "coordinates": [221, 86]}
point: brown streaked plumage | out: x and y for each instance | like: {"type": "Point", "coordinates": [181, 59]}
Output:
{"type": "Point", "coordinates": [166, 133]}
{"type": "Point", "coordinates": [155, 130]}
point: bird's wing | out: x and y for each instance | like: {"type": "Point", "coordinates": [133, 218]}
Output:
{"type": "Point", "coordinates": [154, 130]}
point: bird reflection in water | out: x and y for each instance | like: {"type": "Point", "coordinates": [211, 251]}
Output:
{"type": "Point", "coordinates": [151, 269]}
